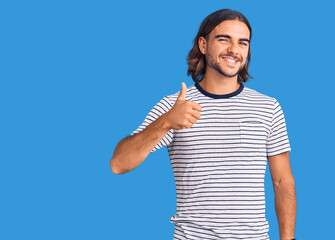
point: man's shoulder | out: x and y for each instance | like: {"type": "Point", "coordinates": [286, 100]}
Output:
{"type": "Point", "coordinates": [255, 94]}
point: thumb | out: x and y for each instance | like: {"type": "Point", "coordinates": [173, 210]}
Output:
{"type": "Point", "coordinates": [182, 92]}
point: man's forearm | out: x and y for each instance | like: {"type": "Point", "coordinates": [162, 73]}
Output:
{"type": "Point", "coordinates": [286, 204]}
{"type": "Point", "coordinates": [133, 150]}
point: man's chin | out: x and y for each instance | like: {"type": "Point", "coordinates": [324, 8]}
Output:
{"type": "Point", "coordinates": [225, 73]}
{"type": "Point", "coordinates": [229, 75]}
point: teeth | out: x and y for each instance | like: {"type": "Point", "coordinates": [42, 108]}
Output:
{"type": "Point", "coordinates": [230, 60]}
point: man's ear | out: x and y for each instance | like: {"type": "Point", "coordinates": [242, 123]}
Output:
{"type": "Point", "coordinates": [202, 45]}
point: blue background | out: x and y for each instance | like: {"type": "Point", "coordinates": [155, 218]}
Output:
{"type": "Point", "coordinates": [79, 76]}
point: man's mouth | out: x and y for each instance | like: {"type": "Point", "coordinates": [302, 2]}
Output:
{"type": "Point", "coordinates": [230, 59]}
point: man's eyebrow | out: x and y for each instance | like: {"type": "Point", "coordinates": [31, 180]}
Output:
{"type": "Point", "coordinates": [227, 36]}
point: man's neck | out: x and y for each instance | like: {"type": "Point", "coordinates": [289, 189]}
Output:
{"type": "Point", "coordinates": [218, 84]}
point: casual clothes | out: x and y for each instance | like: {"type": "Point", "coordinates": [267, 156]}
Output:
{"type": "Point", "coordinates": [219, 163]}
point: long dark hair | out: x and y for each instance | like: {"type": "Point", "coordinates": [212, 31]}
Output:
{"type": "Point", "coordinates": [196, 60]}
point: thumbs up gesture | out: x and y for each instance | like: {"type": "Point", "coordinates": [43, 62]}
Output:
{"type": "Point", "coordinates": [183, 114]}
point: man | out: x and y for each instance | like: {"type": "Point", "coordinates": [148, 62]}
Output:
{"type": "Point", "coordinates": [219, 135]}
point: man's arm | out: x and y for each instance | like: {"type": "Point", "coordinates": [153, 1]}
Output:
{"type": "Point", "coordinates": [285, 197]}
{"type": "Point", "coordinates": [133, 150]}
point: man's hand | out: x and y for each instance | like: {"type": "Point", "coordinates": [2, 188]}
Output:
{"type": "Point", "coordinates": [183, 114]}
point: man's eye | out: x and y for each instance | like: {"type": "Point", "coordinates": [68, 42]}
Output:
{"type": "Point", "coordinates": [223, 40]}
{"type": "Point", "coordinates": [243, 43]}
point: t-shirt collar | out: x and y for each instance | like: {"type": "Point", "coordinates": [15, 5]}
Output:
{"type": "Point", "coordinates": [203, 91]}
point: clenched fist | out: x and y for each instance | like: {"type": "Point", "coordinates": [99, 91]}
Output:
{"type": "Point", "coordinates": [183, 114]}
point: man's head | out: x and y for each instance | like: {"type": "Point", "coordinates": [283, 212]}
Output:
{"type": "Point", "coordinates": [222, 43]}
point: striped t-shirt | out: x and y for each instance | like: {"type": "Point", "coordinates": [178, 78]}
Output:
{"type": "Point", "coordinates": [219, 163]}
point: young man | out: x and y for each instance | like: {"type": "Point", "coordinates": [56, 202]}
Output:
{"type": "Point", "coordinates": [219, 136]}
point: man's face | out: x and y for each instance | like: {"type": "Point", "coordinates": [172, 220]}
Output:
{"type": "Point", "coordinates": [227, 49]}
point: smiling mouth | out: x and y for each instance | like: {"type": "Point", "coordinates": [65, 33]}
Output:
{"type": "Point", "coordinates": [230, 60]}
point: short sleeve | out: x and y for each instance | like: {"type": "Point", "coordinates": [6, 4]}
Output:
{"type": "Point", "coordinates": [158, 110]}
{"type": "Point", "coordinates": [277, 141]}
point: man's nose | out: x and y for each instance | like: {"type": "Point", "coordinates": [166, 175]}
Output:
{"type": "Point", "coordinates": [232, 48]}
